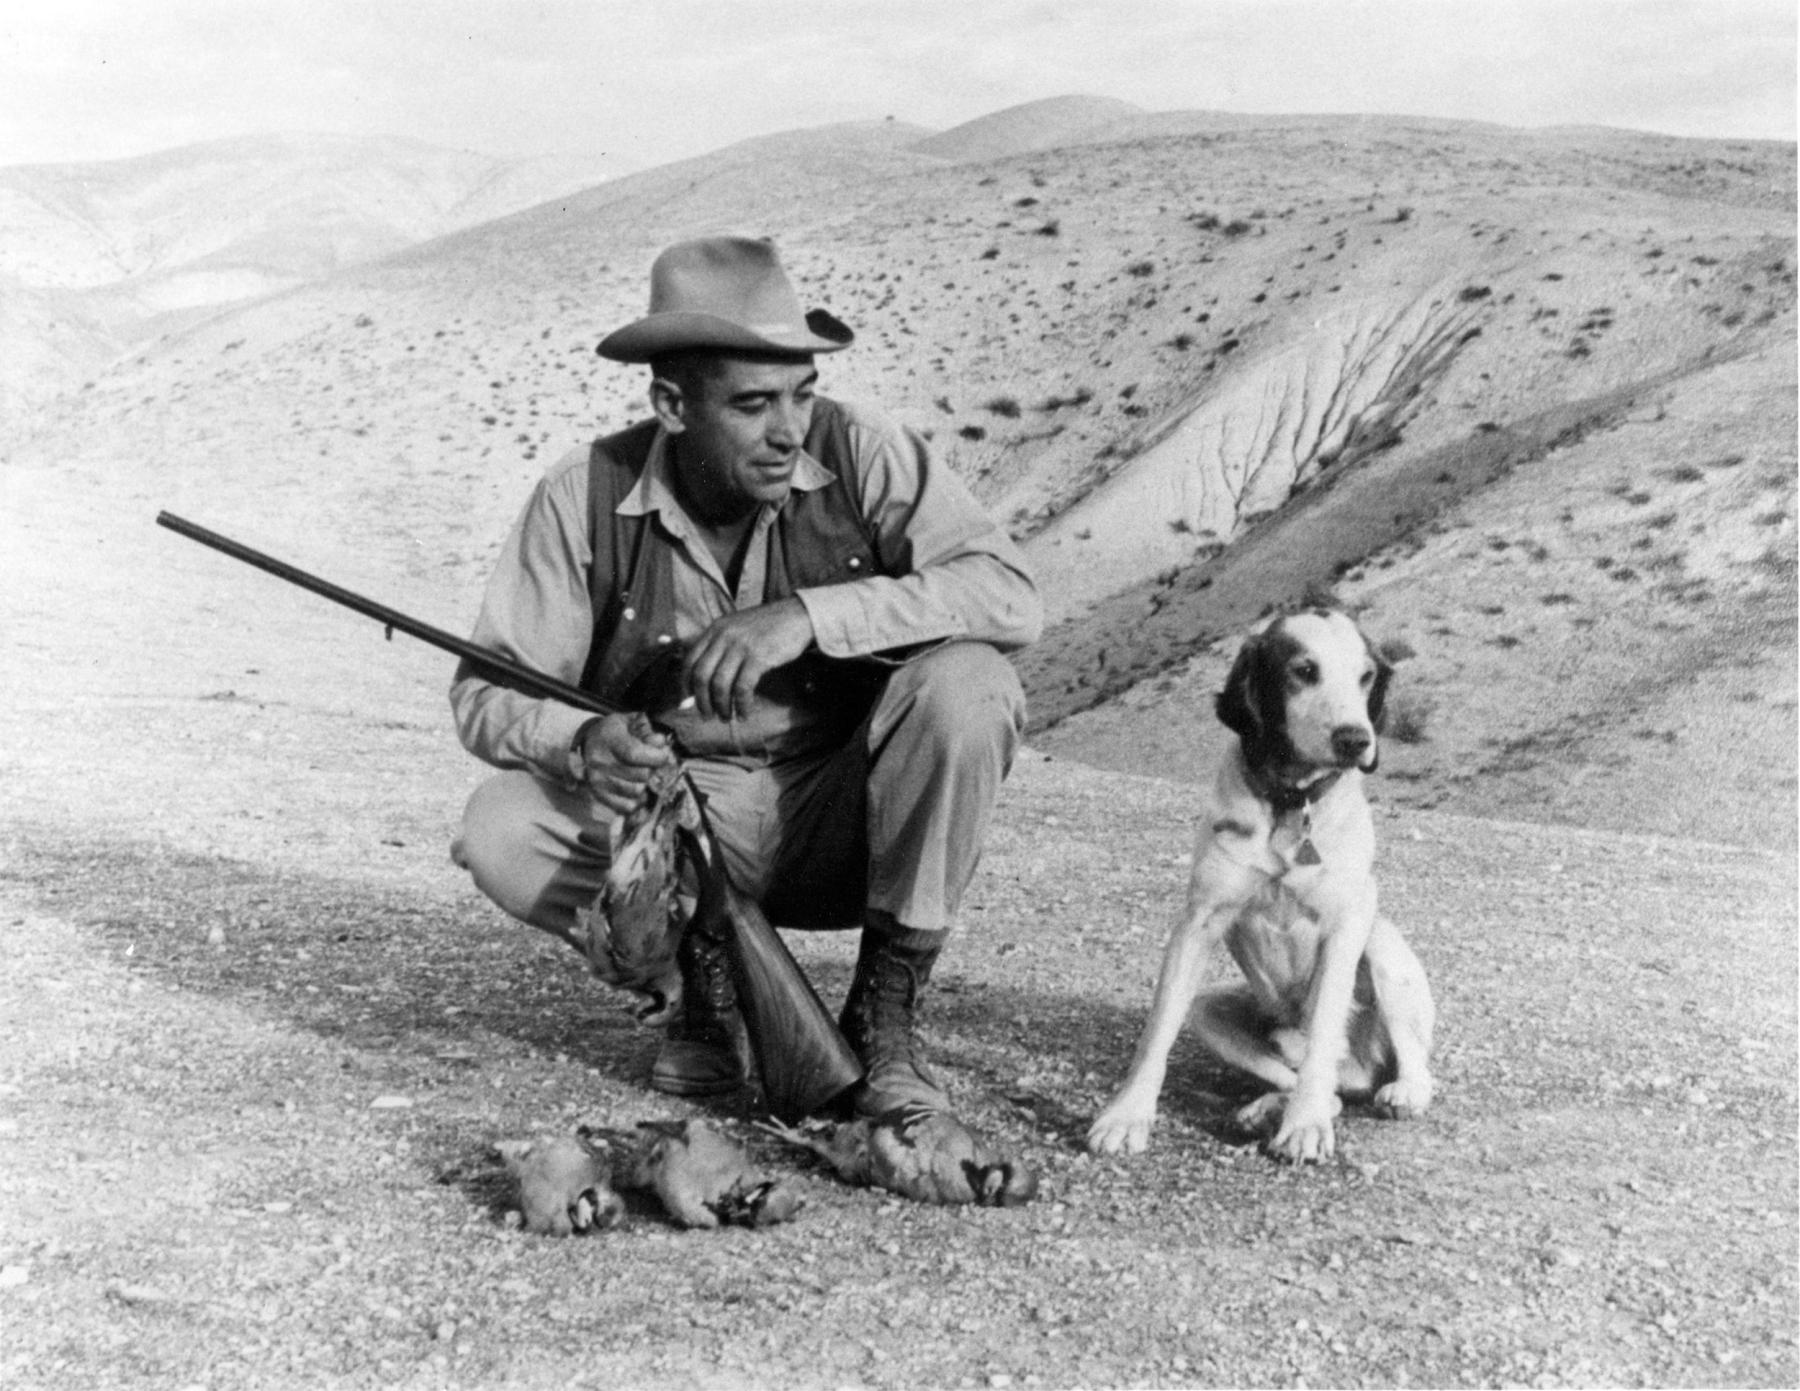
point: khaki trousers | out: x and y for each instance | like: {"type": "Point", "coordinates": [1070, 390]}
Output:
{"type": "Point", "coordinates": [892, 821]}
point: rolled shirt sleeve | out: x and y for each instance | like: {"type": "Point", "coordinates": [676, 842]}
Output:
{"type": "Point", "coordinates": [536, 610]}
{"type": "Point", "coordinates": [953, 571]}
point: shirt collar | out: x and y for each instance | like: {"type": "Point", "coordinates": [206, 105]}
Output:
{"type": "Point", "coordinates": [654, 492]}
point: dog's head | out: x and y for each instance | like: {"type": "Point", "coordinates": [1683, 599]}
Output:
{"type": "Point", "coordinates": [1308, 691]}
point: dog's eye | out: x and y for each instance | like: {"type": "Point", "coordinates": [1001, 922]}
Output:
{"type": "Point", "coordinates": [1368, 678]}
{"type": "Point", "coordinates": [1306, 671]}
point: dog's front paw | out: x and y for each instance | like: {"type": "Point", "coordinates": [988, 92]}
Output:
{"type": "Point", "coordinates": [1306, 1134]}
{"type": "Point", "coordinates": [1122, 1128]}
{"type": "Point", "coordinates": [1403, 1099]}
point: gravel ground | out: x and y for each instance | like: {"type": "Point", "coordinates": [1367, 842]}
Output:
{"type": "Point", "coordinates": [247, 1110]}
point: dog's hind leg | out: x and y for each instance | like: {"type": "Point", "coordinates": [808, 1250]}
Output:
{"type": "Point", "coordinates": [1233, 1027]}
{"type": "Point", "coordinates": [1408, 1016]}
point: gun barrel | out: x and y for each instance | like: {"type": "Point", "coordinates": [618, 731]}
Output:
{"type": "Point", "coordinates": [492, 664]}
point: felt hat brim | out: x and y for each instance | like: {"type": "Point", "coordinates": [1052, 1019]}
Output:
{"type": "Point", "coordinates": [675, 330]}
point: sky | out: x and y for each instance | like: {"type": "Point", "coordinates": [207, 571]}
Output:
{"type": "Point", "coordinates": [647, 81]}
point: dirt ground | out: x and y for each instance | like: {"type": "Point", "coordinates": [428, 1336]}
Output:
{"type": "Point", "coordinates": [259, 1037]}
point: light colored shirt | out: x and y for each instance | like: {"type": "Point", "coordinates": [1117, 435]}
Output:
{"type": "Point", "coordinates": [955, 574]}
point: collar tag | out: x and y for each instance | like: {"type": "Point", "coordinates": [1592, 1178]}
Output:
{"type": "Point", "coordinates": [1306, 853]}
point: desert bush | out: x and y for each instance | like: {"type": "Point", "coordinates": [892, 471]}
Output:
{"type": "Point", "coordinates": [1141, 268]}
{"type": "Point", "coordinates": [972, 432]}
{"type": "Point", "coordinates": [1052, 228]}
{"type": "Point", "coordinates": [1396, 650]}
{"type": "Point", "coordinates": [1004, 406]}
{"type": "Point", "coordinates": [1407, 718]}
{"type": "Point", "coordinates": [1237, 227]}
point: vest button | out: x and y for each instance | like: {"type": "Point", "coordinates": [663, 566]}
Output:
{"type": "Point", "coordinates": [855, 562]}
{"type": "Point", "coordinates": [663, 639]}
{"type": "Point", "coordinates": [630, 614]}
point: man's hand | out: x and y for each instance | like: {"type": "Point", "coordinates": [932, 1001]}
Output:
{"type": "Point", "coordinates": [617, 760]}
{"type": "Point", "coordinates": [727, 661]}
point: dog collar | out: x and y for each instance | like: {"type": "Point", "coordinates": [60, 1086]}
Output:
{"type": "Point", "coordinates": [1284, 798]}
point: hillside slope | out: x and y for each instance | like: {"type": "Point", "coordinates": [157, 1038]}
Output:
{"type": "Point", "coordinates": [1174, 357]}
{"type": "Point", "coordinates": [114, 251]}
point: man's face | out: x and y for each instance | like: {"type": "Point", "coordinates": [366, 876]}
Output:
{"type": "Point", "coordinates": [738, 432]}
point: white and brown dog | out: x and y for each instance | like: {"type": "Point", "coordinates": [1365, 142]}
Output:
{"type": "Point", "coordinates": [1333, 1002]}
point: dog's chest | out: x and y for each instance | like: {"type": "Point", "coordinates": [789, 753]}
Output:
{"type": "Point", "coordinates": [1275, 941]}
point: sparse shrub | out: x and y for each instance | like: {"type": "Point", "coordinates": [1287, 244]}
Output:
{"type": "Point", "coordinates": [1141, 268]}
{"type": "Point", "coordinates": [1407, 718]}
{"type": "Point", "coordinates": [1181, 342]}
{"type": "Point", "coordinates": [1396, 650]}
{"type": "Point", "coordinates": [1006, 407]}
{"type": "Point", "coordinates": [1683, 473]}
{"type": "Point", "coordinates": [1052, 228]}
{"type": "Point", "coordinates": [1237, 227]}
{"type": "Point", "coordinates": [972, 432]}
{"type": "Point", "coordinates": [1206, 222]}
{"type": "Point", "coordinates": [1557, 599]}
{"type": "Point", "coordinates": [1403, 214]}
{"type": "Point", "coordinates": [992, 253]}
{"type": "Point", "coordinates": [1470, 294]}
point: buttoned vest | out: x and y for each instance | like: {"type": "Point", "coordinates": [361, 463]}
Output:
{"type": "Point", "coordinates": [819, 538]}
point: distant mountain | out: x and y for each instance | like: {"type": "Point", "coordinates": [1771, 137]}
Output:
{"type": "Point", "coordinates": [106, 253]}
{"type": "Point", "coordinates": [282, 207]}
{"type": "Point", "coordinates": [1036, 125]}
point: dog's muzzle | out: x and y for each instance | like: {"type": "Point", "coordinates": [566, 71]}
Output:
{"type": "Point", "coordinates": [1349, 744]}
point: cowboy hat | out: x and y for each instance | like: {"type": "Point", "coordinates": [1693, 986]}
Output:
{"type": "Point", "coordinates": [724, 292]}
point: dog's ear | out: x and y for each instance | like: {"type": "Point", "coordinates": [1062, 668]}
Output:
{"type": "Point", "coordinates": [1253, 704]}
{"type": "Point", "coordinates": [1384, 673]}
{"type": "Point", "coordinates": [1237, 703]}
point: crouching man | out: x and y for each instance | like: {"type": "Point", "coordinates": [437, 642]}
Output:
{"type": "Point", "coordinates": [812, 605]}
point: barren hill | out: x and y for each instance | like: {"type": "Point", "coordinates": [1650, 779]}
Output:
{"type": "Point", "coordinates": [1201, 363]}
{"type": "Point", "coordinates": [103, 254]}
{"type": "Point", "coordinates": [1036, 125]}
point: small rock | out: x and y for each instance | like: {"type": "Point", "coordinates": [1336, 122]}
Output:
{"type": "Point", "coordinates": [12, 1276]}
{"type": "Point", "coordinates": [390, 1103]}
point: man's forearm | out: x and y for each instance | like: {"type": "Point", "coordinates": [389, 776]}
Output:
{"type": "Point", "coordinates": [510, 729]}
{"type": "Point", "coordinates": [975, 597]}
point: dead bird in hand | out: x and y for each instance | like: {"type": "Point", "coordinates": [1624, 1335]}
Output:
{"type": "Point", "coordinates": [920, 1153]}
{"type": "Point", "coordinates": [563, 1188]}
{"type": "Point", "coordinates": [630, 932]}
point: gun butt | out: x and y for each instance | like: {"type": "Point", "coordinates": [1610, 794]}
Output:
{"type": "Point", "coordinates": [804, 1060]}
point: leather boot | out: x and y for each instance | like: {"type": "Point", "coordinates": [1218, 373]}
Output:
{"type": "Point", "coordinates": [706, 1051]}
{"type": "Point", "coordinates": [880, 1024]}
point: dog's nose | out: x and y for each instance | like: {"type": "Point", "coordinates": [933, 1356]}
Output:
{"type": "Point", "coordinates": [1350, 742]}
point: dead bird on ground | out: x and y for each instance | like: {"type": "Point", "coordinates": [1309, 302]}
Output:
{"type": "Point", "coordinates": [920, 1153]}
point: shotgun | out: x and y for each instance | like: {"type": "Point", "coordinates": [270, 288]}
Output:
{"type": "Point", "coordinates": [803, 1058]}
